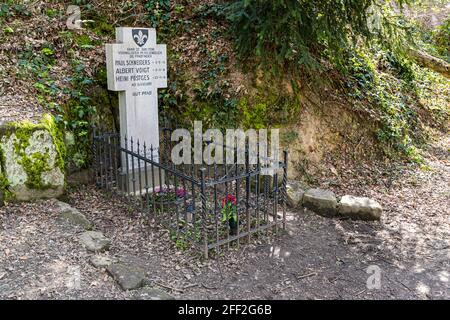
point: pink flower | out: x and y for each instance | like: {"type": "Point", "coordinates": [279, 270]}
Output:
{"type": "Point", "coordinates": [181, 193]}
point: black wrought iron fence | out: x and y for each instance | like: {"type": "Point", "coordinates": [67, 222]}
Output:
{"type": "Point", "coordinates": [211, 207]}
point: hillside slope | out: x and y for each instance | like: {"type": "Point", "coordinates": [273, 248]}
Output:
{"type": "Point", "coordinates": [378, 109]}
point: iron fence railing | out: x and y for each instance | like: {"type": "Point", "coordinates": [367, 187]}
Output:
{"type": "Point", "coordinates": [210, 207]}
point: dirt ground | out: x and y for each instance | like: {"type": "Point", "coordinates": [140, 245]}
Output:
{"type": "Point", "coordinates": [317, 258]}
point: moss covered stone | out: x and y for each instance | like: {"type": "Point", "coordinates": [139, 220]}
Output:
{"type": "Point", "coordinates": [32, 159]}
{"type": "Point", "coordinates": [34, 166]}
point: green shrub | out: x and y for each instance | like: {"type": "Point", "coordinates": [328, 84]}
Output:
{"type": "Point", "coordinates": [159, 13]}
{"type": "Point", "coordinates": [441, 38]}
{"type": "Point", "coordinates": [253, 117]}
{"type": "Point", "coordinates": [288, 33]}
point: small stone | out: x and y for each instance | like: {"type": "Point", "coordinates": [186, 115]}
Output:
{"type": "Point", "coordinates": [294, 195]}
{"type": "Point", "coordinates": [148, 293]}
{"type": "Point", "coordinates": [72, 215]}
{"type": "Point", "coordinates": [360, 208]}
{"type": "Point", "coordinates": [128, 276]}
{"type": "Point", "coordinates": [95, 241]}
{"type": "Point", "coordinates": [321, 201]}
{"type": "Point", "coordinates": [102, 261]}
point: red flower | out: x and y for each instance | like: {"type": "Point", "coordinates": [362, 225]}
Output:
{"type": "Point", "coordinates": [228, 199]}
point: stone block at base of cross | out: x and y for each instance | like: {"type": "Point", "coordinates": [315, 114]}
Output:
{"type": "Point", "coordinates": [138, 181]}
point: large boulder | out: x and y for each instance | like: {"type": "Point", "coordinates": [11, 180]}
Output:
{"type": "Point", "coordinates": [360, 208]}
{"type": "Point", "coordinates": [32, 160]}
{"type": "Point", "coordinates": [321, 201]}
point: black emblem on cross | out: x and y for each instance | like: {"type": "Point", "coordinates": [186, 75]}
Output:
{"type": "Point", "coordinates": [140, 36]}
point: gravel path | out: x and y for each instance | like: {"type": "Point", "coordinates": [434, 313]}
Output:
{"type": "Point", "coordinates": [317, 258]}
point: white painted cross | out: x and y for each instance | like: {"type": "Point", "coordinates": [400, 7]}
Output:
{"type": "Point", "coordinates": [137, 67]}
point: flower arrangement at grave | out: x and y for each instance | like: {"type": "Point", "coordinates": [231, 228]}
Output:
{"type": "Point", "coordinates": [165, 197]}
{"type": "Point", "coordinates": [229, 213]}
{"type": "Point", "coordinates": [166, 194]}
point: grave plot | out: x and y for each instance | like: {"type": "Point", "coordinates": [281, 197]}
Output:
{"type": "Point", "coordinates": [208, 206]}
{"type": "Point", "coordinates": [211, 207]}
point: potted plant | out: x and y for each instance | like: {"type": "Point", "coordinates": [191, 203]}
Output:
{"type": "Point", "coordinates": [229, 213]}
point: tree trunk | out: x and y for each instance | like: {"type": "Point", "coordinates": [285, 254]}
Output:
{"type": "Point", "coordinates": [430, 62]}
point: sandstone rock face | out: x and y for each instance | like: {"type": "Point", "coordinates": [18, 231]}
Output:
{"type": "Point", "coordinates": [31, 168]}
{"type": "Point", "coordinates": [323, 202]}
{"type": "Point", "coordinates": [360, 208]}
